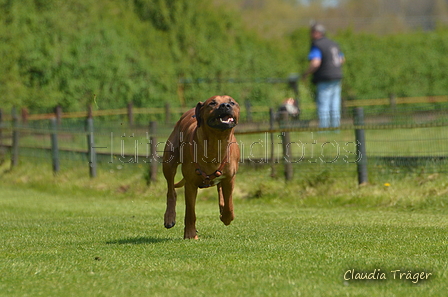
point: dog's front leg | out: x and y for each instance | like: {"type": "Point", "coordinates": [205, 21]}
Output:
{"type": "Point", "coordinates": [225, 190]}
{"type": "Point", "coordinates": [170, 213]}
{"type": "Point", "coordinates": [169, 171]}
{"type": "Point", "coordinates": [191, 192]}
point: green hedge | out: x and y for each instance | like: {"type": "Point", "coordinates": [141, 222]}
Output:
{"type": "Point", "coordinates": [67, 52]}
{"type": "Point", "coordinates": [412, 64]}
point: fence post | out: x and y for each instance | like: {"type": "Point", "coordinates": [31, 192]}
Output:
{"type": "Point", "coordinates": [130, 114]}
{"type": "Point", "coordinates": [54, 144]}
{"type": "Point", "coordinates": [89, 111]}
{"type": "Point", "coordinates": [58, 114]}
{"type": "Point", "coordinates": [91, 144]}
{"type": "Point", "coordinates": [286, 141]}
{"type": "Point", "coordinates": [248, 106]}
{"type": "Point", "coordinates": [15, 139]}
{"type": "Point", "coordinates": [361, 152]}
{"type": "Point", "coordinates": [167, 113]}
{"type": "Point", "coordinates": [392, 102]}
{"type": "Point", "coordinates": [153, 163]}
{"type": "Point", "coordinates": [24, 116]}
{"type": "Point", "coordinates": [271, 127]}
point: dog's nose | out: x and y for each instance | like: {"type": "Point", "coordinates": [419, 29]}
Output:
{"type": "Point", "coordinates": [225, 106]}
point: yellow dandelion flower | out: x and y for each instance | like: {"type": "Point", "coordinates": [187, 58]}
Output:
{"type": "Point", "coordinates": [387, 185]}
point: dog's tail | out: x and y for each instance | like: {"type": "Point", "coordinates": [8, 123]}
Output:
{"type": "Point", "coordinates": [180, 184]}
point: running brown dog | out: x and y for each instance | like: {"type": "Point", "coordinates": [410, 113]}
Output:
{"type": "Point", "coordinates": [203, 142]}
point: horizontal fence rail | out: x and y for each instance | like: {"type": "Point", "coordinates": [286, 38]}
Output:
{"type": "Point", "coordinates": [130, 110]}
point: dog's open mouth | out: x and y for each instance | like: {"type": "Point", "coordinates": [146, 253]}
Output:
{"type": "Point", "coordinates": [226, 119]}
{"type": "Point", "coordinates": [222, 121]}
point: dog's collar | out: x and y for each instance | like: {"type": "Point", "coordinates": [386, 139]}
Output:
{"type": "Point", "coordinates": [207, 178]}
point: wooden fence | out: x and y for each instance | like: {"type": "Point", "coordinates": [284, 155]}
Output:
{"type": "Point", "coordinates": [284, 129]}
{"type": "Point", "coordinates": [18, 125]}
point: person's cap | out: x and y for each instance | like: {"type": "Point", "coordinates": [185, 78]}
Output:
{"type": "Point", "coordinates": [318, 27]}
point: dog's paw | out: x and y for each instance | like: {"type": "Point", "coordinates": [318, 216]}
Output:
{"type": "Point", "coordinates": [190, 233]}
{"type": "Point", "coordinates": [227, 218]}
{"type": "Point", "coordinates": [170, 220]}
{"type": "Point", "coordinates": [170, 225]}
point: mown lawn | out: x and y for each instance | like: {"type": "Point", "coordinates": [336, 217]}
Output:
{"type": "Point", "coordinates": [66, 242]}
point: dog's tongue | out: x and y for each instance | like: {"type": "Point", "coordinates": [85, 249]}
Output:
{"type": "Point", "coordinates": [226, 119]}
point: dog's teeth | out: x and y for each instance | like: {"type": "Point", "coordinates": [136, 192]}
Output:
{"type": "Point", "coordinates": [230, 119]}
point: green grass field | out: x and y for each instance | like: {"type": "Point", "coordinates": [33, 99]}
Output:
{"type": "Point", "coordinates": [67, 235]}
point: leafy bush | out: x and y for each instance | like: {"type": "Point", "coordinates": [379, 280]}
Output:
{"type": "Point", "coordinates": [67, 52]}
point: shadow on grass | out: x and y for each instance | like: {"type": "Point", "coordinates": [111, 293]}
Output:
{"type": "Point", "coordinates": [139, 240]}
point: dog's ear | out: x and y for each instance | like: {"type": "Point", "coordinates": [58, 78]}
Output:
{"type": "Point", "coordinates": [197, 113]}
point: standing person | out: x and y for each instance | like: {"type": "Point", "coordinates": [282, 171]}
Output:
{"type": "Point", "coordinates": [326, 61]}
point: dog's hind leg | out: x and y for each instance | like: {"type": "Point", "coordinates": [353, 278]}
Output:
{"type": "Point", "coordinates": [220, 198]}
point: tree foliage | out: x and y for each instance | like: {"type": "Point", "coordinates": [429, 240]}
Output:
{"type": "Point", "coordinates": [66, 52]}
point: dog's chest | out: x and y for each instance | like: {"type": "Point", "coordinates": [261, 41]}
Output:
{"type": "Point", "coordinates": [218, 179]}
{"type": "Point", "coordinates": [207, 182]}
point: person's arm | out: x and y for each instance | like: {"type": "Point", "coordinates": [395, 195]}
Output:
{"type": "Point", "coordinates": [315, 58]}
{"type": "Point", "coordinates": [313, 66]}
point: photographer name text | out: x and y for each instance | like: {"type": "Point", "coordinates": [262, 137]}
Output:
{"type": "Point", "coordinates": [377, 274]}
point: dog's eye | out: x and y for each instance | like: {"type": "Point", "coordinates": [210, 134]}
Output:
{"type": "Point", "coordinates": [213, 103]}
{"type": "Point", "coordinates": [232, 103]}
